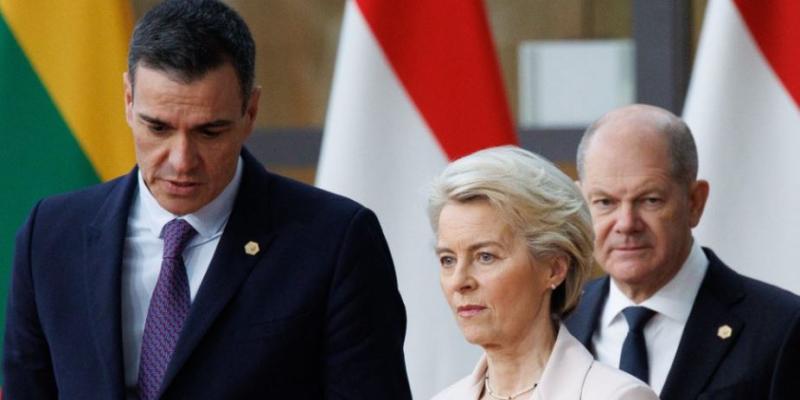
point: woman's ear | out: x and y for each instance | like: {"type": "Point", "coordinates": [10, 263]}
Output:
{"type": "Point", "coordinates": [558, 271]}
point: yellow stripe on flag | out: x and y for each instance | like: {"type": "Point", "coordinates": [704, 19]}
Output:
{"type": "Point", "coordinates": [78, 48]}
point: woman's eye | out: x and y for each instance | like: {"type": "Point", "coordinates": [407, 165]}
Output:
{"type": "Point", "coordinates": [447, 261]}
{"type": "Point", "coordinates": [486, 258]}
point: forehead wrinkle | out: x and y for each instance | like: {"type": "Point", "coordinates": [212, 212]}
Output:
{"type": "Point", "coordinates": [473, 231]}
{"type": "Point", "coordinates": [203, 99]}
{"type": "Point", "coordinates": [633, 185]}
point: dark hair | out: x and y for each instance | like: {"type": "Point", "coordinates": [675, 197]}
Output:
{"type": "Point", "coordinates": [188, 38]}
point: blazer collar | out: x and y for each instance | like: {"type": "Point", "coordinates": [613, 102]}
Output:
{"type": "Point", "coordinates": [583, 321]}
{"type": "Point", "coordinates": [562, 377]}
{"type": "Point", "coordinates": [565, 372]}
{"type": "Point", "coordinates": [104, 239]}
{"type": "Point", "coordinates": [231, 263]}
{"type": "Point", "coordinates": [712, 329]}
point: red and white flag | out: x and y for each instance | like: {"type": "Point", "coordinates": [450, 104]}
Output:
{"type": "Point", "coordinates": [416, 85]}
{"type": "Point", "coordinates": [743, 109]}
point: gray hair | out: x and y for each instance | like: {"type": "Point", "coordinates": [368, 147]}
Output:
{"type": "Point", "coordinates": [682, 149]}
{"type": "Point", "coordinates": [537, 200]}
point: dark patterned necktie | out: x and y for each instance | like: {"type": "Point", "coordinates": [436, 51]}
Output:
{"type": "Point", "coordinates": [168, 309]}
{"type": "Point", "coordinates": [633, 359]}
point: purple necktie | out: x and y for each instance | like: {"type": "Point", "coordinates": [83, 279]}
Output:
{"type": "Point", "coordinates": [169, 307]}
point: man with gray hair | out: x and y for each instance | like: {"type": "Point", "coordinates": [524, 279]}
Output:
{"type": "Point", "coordinates": [670, 312]}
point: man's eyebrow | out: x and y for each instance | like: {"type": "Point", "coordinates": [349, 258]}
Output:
{"type": "Point", "coordinates": [219, 123]}
{"type": "Point", "coordinates": [151, 120]}
{"type": "Point", "coordinates": [216, 124]}
{"type": "Point", "coordinates": [597, 192]}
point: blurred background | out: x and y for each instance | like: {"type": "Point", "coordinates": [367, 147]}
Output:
{"type": "Point", "coordinates": [296, 52]}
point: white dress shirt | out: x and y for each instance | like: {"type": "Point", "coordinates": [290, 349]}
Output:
{"type": "Point", "coordinates": [672, 304]}
{"type": "Point", "coordinates": [141, 258]}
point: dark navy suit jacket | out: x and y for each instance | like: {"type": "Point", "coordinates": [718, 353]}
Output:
{"type": "Point", "coordinates": [314, 314]}
{"type": "Point", "coordinates": [761, 358]}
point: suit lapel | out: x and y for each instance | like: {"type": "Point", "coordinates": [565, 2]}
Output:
{"type": "Point", "coordinates": [231, 263]}
{"type": "Point", "coordinates": [710, 332]}
{"type": "Point", "coordinates": [103, 245]}
{"type": "Point", "coordinates": [583, 321]}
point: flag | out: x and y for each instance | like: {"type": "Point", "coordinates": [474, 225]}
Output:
{"type": "Point", "coordinates": [62, 114]}
{"type": "Point", "coordinates": [416, 85]}
{"type": "Point", "coordinates": [742, 106]}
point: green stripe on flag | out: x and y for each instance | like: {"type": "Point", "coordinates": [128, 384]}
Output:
{"type": "Point", "coordinates": [39, 155]}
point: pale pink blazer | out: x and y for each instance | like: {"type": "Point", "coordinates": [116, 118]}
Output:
{"type": "Point", "coordinates": [571, 373]}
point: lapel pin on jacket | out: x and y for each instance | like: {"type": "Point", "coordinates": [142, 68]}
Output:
{"type": "Point", "coordinates": [724, 331]}
{"type": "Point", "coordinates": [251, 248]}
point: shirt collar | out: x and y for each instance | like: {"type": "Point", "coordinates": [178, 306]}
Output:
{"type": "Point", "coordinates": [674, 300]}
{"type": "Point", "coordinates": [208, 221]}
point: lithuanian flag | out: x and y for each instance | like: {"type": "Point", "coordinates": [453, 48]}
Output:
{"type": "Point", "coordinates": [62, 120]}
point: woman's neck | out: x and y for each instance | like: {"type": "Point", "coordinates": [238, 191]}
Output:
{"type": "Point", "coordinates": [516, 366]}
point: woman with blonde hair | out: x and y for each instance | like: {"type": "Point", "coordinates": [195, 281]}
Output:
{"type": "Point", "coordinates": [514, 241]}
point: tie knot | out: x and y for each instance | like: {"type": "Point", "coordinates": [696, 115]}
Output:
{"type": "Point", "coordinates": [177, 234]}
{"type": "Point", "coordinates": [637, 317]}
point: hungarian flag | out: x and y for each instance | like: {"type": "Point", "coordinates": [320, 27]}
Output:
{"type": "Point", "coordinates": [743, 109]}
{"type": "Point", "coordinates": [416, 85]}
{"type": "Point", "coordinates": [62, 116]}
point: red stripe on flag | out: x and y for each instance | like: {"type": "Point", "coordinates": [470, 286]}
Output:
{"type": "Point", "coordinates": [442, 53]}
{"type": "Point", "coordinates": [775, 26]}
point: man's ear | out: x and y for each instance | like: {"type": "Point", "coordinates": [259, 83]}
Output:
{"type": "Point", "coordinates": [698, 195]}
{"type": "Point", "coordinates": [252, 108]}
{"type": "Point", "coordinates": [128, 98]}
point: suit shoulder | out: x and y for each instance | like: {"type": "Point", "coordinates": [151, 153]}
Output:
{"type": "Point", "coordinates": [80, 201]}
{"type": "Point", "coordinates": [725, 280]}
{"type": "Point", "coordinates": [309, 200]}
{"type": "Point", "coordinates": [605, 382]}
{"type": "Point", "coordinates": [755, 293]}
{"type": "Point", "coordinates": [768, 292]}
{"type": "Point", "coordinates": [457, 390]}
{"type": "Point", "coordinates": [290, 186]}
{"type": "Point", "coordinates": [770, 311]}
{"type": "Point", "coordinates": [595, 284]}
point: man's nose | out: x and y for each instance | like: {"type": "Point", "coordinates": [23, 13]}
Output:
{"type": "Point", "coordinates": [628, 219]}
{"type": "Point", "coordinates": [183, 153]}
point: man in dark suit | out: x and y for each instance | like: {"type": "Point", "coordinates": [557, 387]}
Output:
{"type": "Point", "coordinates": [200, 274]}
{"type": "Point", "coordinates": [669, 311]}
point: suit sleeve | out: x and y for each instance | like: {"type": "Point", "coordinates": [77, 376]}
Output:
{"type": "Point", "coordinates": [27, 370]}
{"type": "Point", "coordinates": [785, 382]}
{"type": "Point", "coordinates": [366, 320]}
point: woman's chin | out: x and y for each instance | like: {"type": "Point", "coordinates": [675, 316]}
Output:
{"type": "Point", "coordinates": [476, 336]}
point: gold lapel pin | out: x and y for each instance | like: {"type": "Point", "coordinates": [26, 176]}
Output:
{"type": "Point", "coordinates": [251, 248]}
{"type": "Point", "coordinates": [724, 331]}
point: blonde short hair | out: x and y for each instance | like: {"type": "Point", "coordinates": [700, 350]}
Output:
{"type": "Point", "coordinates": [539, 202]}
